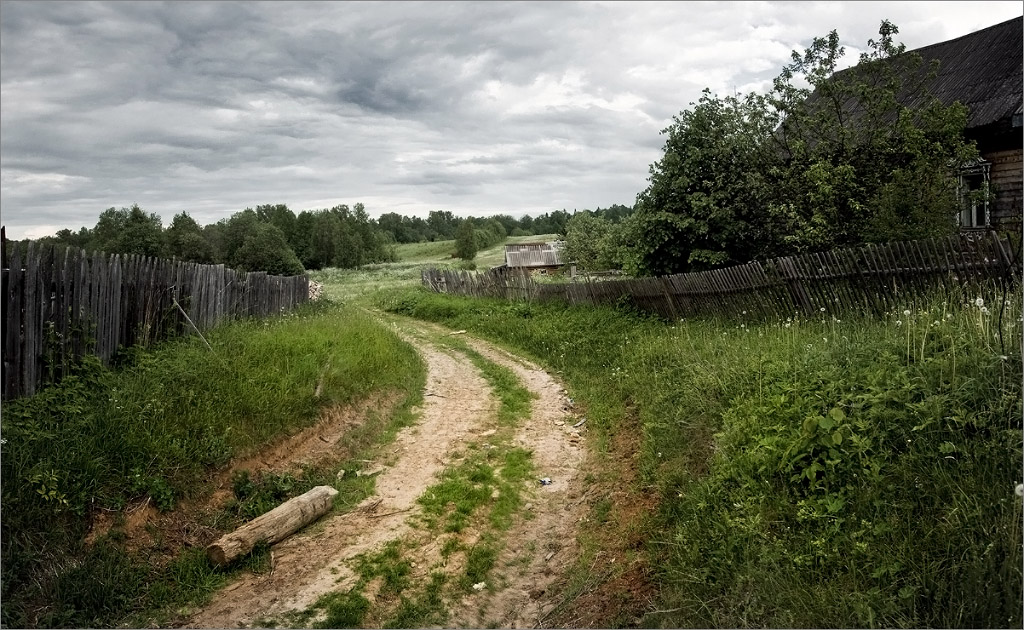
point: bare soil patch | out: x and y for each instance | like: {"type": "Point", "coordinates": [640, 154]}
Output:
{"type": "Point", "coordinates": [542, 546]}
{"type": "Point", "coordinates": [458, 406]}
{"type": "Point", "coordinates": [163, 535]}
{"type": "Point", "coordinates": [617, 589]}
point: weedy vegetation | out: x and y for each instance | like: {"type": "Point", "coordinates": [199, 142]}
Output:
{"type": "Point", "coordinates": [826, 472]}
{"type": "Point", "coordinates": [157, 424]}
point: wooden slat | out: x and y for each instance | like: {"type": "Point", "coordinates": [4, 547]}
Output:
{"type": "Point", "coordinates": [14, 350]}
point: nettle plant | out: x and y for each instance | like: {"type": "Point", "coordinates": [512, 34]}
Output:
{"type": "Point", "coordinates": [866, 459]}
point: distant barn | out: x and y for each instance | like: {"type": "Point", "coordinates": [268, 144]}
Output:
{"type": "Point", "coordinates": [540, 258]}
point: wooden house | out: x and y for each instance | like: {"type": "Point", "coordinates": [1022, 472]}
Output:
{"type": "Point", "coordinates": [984, 71]}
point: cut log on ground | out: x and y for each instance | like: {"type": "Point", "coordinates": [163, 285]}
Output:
{"type": "Point", "coordinates": [275, 525]}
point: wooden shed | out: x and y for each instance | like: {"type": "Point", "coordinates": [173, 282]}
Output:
{"type": "Point", "coordinates": [539, 258]}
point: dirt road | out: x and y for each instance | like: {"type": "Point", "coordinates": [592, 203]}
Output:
{"type": "Point", "coordinates": [459, 408]}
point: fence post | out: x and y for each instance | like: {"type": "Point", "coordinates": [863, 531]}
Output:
{"type": "Point", "coordinates": [1008, 269]}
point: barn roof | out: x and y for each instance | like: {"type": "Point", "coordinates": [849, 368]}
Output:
{"type": "Point", "coordinates": [533, 255]}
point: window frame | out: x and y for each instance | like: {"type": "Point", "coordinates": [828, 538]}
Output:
{"type": "Point", "coordinates": [969, 204]}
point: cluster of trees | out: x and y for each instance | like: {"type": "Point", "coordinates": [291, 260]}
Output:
{"type": "Point", "coordinates": [861, 155]}
{"type": "Point", "coordinates": [268, 238]}
{"type": "Point", "coordinates": [441, 225]}
{"type": "Point", "coordinates": [274, 239]}
{"type": "Point", "coordinates": [594, 239]}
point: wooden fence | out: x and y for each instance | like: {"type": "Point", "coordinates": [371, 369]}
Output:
{"type": "Point", "coordinates": [874, 278]}
{"type": "Point", "coordinates": [61, 303]}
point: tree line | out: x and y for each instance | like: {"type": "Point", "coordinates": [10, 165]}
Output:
{"type": "Point", "coordinates": [866, 154]}
{"type": "Point", "coordinates": [274, 239]}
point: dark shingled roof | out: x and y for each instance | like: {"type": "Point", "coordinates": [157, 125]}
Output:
{"type": "Point", "coordinates": [983, 70]}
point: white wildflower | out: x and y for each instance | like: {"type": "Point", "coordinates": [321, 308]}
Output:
{"type": "Point", "coordinates": [822, 309]}
{"type": "Point", "coordinates": [1020, 490]}
{"type": "Point", "coordinates": [906, 312]}
{"type": "Point", "coordinates": [984, 310]}
{"type": "Point", "coordinates": [899, 323]}
{"type": "Point", "coordinates": [979, 302]}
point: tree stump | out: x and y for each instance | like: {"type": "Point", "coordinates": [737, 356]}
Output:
{"type": "Point", "coordinates": [275, 525]}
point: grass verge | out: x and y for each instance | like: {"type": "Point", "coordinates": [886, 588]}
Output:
{"type": "Point", "coordinates": [811, 471]}
{"type": "Point", "coordinates": [156, 425]}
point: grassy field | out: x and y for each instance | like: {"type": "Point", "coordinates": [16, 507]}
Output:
{"type": "Point", "coordinates": [812, 472]}
{"type": "Point", "coordinates": [440, 252]}
{"type": "Point", "coordinates": [158, 425]}
{"type": "Point", "coordinates": [352, 284]}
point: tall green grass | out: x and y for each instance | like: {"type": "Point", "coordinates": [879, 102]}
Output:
{"type": "Point", "coordinates": [158, 423]}
{"type": "Point", "coordinates": [825, 472]}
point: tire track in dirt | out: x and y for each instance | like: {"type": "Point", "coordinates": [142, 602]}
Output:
{"type": "Point", "coordinates": [308, 565]}
{"type": "Point", "coordinates": [548, 539]}
{"type": "Point", "coordinates": [458, 407]}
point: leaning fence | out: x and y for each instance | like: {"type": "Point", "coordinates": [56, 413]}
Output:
{"type": "Point", "coordinates": [874, 277]}
{"type": "Point", "coordinates": [62, 303]}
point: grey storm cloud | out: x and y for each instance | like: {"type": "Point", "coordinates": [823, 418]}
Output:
{"type": "Point", "coordinates": [473, 107]}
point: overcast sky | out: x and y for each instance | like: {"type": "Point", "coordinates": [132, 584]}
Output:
{"type": "Point", "coordinates": [477, 108]}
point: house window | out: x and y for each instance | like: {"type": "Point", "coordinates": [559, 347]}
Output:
{"type": "Point", "coordinates": [973, 194]}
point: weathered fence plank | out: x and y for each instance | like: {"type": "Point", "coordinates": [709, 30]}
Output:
{"type": "Point", "coordinates": [59, 304]}
{"type": "Point", "coordinates": [874, 277]}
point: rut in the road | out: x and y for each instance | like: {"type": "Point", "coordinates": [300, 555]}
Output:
{"type": "Point", "coordinates": [458, 407]}
{"type": "Point", "coordinates": [548, 540]}
{"type": "Point", "coordinates": [456, 403]}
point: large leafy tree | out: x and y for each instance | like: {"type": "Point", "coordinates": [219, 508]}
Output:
{"type": "Point", "coordinates": [590, 242]}
{"type": "Point", "coordinates": [860, 155]}
{"type": "Point", "coordinates": [232, 233]}
{"type": "Point", "coordinates": [867, 150]}
{"type": "Point", "coordinates": [465, 240]}
{"type": "Point", "coordinates": [185, 240]}
{"type": "Point", "coordinates": [278, 215]}
{"type": "Point", "coordinates": [705, 202]}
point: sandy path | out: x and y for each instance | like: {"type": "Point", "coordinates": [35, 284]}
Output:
{"type": "Point", "coordinates": [548, 540]}
{"type": "Point", "coordinates": [458, 407]}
